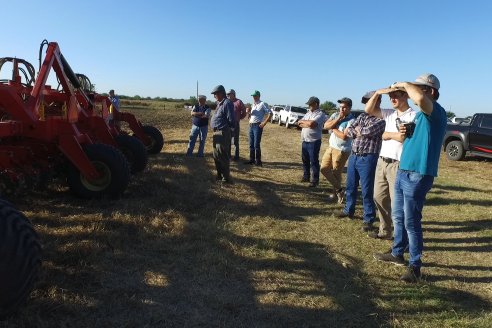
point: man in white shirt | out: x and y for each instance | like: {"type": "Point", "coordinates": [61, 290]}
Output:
{"type": "Point", "coordinates": [312, 126]}
{"type": "Point", "coordinates": [389, 156]}
{"type": "Point", "coordinates": [258, 118]}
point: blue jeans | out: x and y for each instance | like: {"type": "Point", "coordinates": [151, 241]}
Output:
{"type": "Point", "coordinates": [310, 159]}
{"type": "Point", "coordinates": [361, 168]}
{"type": "Point", "coordinates": [255, 133]}
{"type": "Point", "coordinates": [195, 132]}
{"type": "Point", "coordinates": [235, 137]}
{"type": "Point", "coordinates": [410, 191]}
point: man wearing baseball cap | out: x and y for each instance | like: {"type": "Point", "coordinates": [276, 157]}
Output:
{"type": "Point", "coordinates": [259, 116]}
{"type": "Point", "coordinates": [418, 166]}
{"type": "Point", "coordinates": [239, 114]}
{"type": "Point", "coordinates": [199, 127]}
{"type": "Point", "coordinates": [312, 126]}
{"type": "Point", "coordinates": [222, 123]}
{"type": "Point", "coordinates": [338, 151]}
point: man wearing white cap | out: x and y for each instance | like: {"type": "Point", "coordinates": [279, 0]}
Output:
{"type": "Point", "coordinates": [418, 166]}
{"type": "Point", "coordinates": [390, 153]}
{"type": "Point", "coordinates": [199, 127]}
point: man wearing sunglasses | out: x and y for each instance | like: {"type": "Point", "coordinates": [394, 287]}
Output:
{"type": "Point", "coordinates": [418, 166]}
{"type": "Point", "coordinates": [389, 156]}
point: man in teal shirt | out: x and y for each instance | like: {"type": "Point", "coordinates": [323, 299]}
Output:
{"type": "Point", "coordinates": [418, 167]}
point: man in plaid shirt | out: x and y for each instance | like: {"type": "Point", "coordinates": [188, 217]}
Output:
{"type": "Point", "coordinates": [366, 132]}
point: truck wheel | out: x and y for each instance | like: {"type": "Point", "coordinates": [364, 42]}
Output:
{"type": "Point", "coordinates": [156, 139]}
{"type": "Point", "coordinates": [134, 151]}
{"type": "Point", "coordinates": [455, 150]}
{"type": "Point", "coordinates": [114, 170]}
{"type": "Point", "coordinates": [20, 258]}
{"type": "Point", "coordinates": [287, 124]}
{"type": "Point", "coordinates": [279, 120]}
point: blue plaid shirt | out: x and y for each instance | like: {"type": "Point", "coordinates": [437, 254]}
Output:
{"type": "Point", "coordinates": [370, 137]}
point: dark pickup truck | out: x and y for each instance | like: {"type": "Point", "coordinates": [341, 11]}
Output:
{"type": "Point", "coordinates": [474, 138]}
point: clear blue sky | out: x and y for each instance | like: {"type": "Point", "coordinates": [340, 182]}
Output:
{"type": "Point", "coordinates": [289, 50]}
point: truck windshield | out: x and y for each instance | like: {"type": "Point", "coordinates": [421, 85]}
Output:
{"type": "Point", "coordinates": [299, 110]}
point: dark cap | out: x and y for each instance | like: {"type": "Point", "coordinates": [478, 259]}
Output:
{"type": "Point", "coordinates": [346, 100]}
{"type": "Point", "coordinates": [367, 96]}
{"type": "Point", "coordinates": [219, 88]}
{"type": "Point", "coordinates": [256, 93]}
{"type": "Point", "coordinates": [312, 100]}
{"type": "Point", "coordinates": [231, 92]}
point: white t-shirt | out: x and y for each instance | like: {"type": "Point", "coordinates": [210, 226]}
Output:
{"type": "Point", "coordinates": [392, 148]}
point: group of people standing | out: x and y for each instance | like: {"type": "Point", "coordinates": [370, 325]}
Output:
{"type": "Point", "coordinates": [393, 154]}
{"type": "Point", "coordinates": [226, 126]}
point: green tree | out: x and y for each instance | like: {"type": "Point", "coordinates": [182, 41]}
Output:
{"type": "Point", "coordinates": [450, 114]}
{"type": "Point", "coordinates": [328, 107]}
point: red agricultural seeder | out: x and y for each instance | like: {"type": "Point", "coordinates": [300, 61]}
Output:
{"type": "Point", "coordinates": [42, 131]}
{"type": "Point", "coordinates": [150, 136]}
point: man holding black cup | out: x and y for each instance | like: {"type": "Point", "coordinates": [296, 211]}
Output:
{"type": "Point", "coordinates": [389, 156]}
{"type": "Point", "coordinates": [418, 166]}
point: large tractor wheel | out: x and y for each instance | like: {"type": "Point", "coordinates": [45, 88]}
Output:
{"type": "Point", "coordinates": [114, 170]}
{"type": "Point", "coordinates": [20, 258]}
{"type": "Point", "coordinates": [156, 139]}
{"type": "Point", "coordinates": [134, 151]}
{"type": "Point", "coordinates": [455, 150]}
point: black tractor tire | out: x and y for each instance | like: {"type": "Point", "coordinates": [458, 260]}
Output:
{"type": "Point", "coordinates": [157, 140]}
{"type": "Point", "coordinates": [20, 258]}
{"type": "Point", "coordinates": [114, 170]}
{"type": "Point", "coordinates": [134, 151]}
{"type": "Point", "coordinates": [455, 150]}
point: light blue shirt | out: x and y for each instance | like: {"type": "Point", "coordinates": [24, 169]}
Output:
{"type": "Point", "coordinates": [422, 150]}
{"type": "Point", "coordinates": [336, 142]}
{"type": "Point", "coordinates": [258, 112]}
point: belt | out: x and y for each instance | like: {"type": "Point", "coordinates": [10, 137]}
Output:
{"type": "Point", "coordinates": [257, 123]}
{"type": "Point", "coordinates": [221, 129]}
{"type": "Point", "coordinates": [388, 160]}
{"type": "Point", "coordinates": [360, 154]}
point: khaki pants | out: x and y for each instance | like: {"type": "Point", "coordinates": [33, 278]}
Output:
{"type": "Point", "coordinates": [222, 147]}
{"type": "Point", "coordinates": [384, 190]}
{"type": "Point", "coordinates": [332, 165]}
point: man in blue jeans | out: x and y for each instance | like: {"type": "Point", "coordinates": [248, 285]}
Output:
{"type": "Point", "coordinates": [199, 127]}
{"type": "Point", "coordinates": [418, 167]}
{"type": "Point", "coordinates": [312, 127]}
{"type": "Point", "coordinates": [258, 118]}
{"type": "Point", "coordinates": [366, 132]}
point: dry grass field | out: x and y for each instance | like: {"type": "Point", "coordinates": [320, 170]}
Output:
{"type": "Point", "coordinates": [180, 250]}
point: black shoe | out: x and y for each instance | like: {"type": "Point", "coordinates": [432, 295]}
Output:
{"type": "Point", "coordinates": [304, 179]}
{"type": "Point", "coordinates": [313, 184]}
{"type": "Point", "coordinates": [249, 162]}
{"type": "Point", "coordinates": [366, 227]}
{"type": "Point", "coordinates": [218, 177]}
{"type": "Point", "coordinates": [259, 164]}
{"type": "Point", "coordinates": [376, 235]}
{"type": "Point", "coordinates": [412, 275]}
{"type": "Point", "coordinates": [388, 257]}
{"type": "Point", "coordinates": [228, 180]}
{"type": "Point", "coordinates": [342, 215]}
{"type": "Point", "coordinates": [235, 159]}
